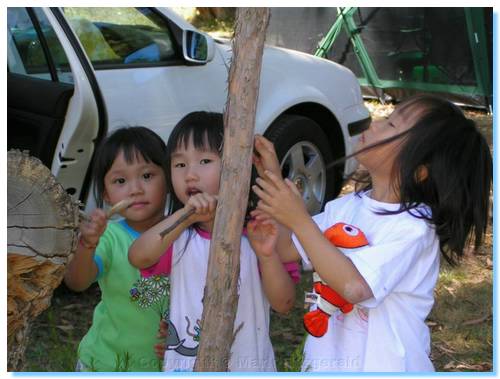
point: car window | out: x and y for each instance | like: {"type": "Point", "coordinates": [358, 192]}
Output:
{"type": "Point", "coordinates": [35, 50]}
{"type": "Point", "coordinates": [57, 54]}
{"type": "Point", "coordinates": [122, 36]}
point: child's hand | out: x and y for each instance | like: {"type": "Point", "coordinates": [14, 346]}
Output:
{"type": "Point", "coordinates": [162, 336]}
{"type": "Point", "coordinates": [204, 206]}
{"type": "Point", "coordinates": [281, 199]}
{"type": "Point", "coordinates": [91, 230]}
{"type": "Point", "coordinates": [263, 234]}
{"type": "Point", "coordinates": [266, 158]}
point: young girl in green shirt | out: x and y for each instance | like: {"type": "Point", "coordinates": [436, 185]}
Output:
{"type": "Point", "coordinates": [130, 165]}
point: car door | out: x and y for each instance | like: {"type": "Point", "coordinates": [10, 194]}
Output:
{"type": "Point", "coordinates": [53, 102]}
{"type": "Point", "coordinates": [139, 64]}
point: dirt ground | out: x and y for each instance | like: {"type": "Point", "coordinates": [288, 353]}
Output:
{"type": "Point", "coordinates": [461, 321]}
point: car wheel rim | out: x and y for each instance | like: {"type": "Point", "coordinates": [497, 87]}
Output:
{"type": "Point", "coordinates": [303, 164]}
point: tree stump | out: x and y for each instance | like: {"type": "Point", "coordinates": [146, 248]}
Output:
{"type": "Point", "coordinates": [42, 223]}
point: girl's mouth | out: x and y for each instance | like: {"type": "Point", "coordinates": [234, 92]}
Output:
{"type": "Point", "coordinates": [138, 204]}
{"type": "Point", "coordinates": [192, 191]}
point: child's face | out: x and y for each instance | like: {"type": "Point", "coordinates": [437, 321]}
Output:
{"type": "Point", "coordinates": [380, 159]}
{"type": "Point", "coordinates": [194, 170]}
{"type": "Point", "coordinates": [142, 181]}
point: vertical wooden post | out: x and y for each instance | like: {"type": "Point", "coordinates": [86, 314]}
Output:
{"type": "Point", "coordinates": [221, 297]}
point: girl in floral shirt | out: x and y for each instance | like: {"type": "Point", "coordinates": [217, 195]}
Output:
{"type": "Point", "coordinates": [130, 165]}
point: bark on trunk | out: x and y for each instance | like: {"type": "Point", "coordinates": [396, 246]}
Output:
{"type": "Point", "coordinates": [221, 296]}
{"type": "Point", "coordinates": [42, 222]}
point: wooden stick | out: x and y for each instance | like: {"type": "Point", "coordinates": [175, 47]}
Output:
{"type": "Point", "coordinates": [176, 223]}
{"type": "Point", "coordinates": [118, 207]}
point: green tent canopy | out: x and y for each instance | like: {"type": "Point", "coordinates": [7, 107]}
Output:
{"type": "Point", "coordinates": [396, 52]}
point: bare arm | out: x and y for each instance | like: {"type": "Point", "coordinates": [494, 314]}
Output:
{"type": "Point", "coordinates": [82, 270]}
{"type": "Point", "coordinates": [147, 249]}
{"type": "Point", "coordinates": [283, 201]}
{"type": "Point", "coordinates": [150, 246]}
{"type": "Point", "coordinates": [277, 283]}
{"type": "Point", "coordinates": [265, 159]}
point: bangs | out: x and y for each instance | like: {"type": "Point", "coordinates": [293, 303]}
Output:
{"type": "Point", "coordinates": [204, 129]}
{"type": "Point", "coordinates": [201, 137]}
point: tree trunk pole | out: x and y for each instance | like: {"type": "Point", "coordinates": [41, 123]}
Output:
{"type": "Point", "coordinates": [221, 297]}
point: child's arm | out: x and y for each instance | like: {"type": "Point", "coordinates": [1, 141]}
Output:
{"type": "Point", "coordinates": [277, 283]}
{"type": "Point", "coordinates": [150, 246]}
{"type": "Point", "coordinates": [82, 270]}
{"type": "Point", "coordinates": [265, 159]}
{"type": "Point", "coordinates": [284, 246]}
{"type": "Point", "coordinates": [282, 200]}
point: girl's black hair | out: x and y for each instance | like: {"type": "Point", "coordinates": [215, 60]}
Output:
{"type": "Point", "coordinates": [133, 141]}
{"type": "Point", "coordinates": [207, 131]}
{"type": "Point", "coordinates": [459, 173]}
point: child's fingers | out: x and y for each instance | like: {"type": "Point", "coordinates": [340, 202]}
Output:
{"type": "Point", "coordinates": [293, 187]}
{"type": "Point", "coordinates": [251, 225]}
{"type": "Point", "coordinates": [268, 222]}
{"type": "Point", "coordinates": [258, 165]}
{"type": "Point", "coordinates": [275, 180]}
{"type": "Point", "coordinates": [196, 202]}
{"type": "Point", "coordinates": [270, 188]}
{"type": "Point", "coordinates": [98, 216]}
{"type": "Point", "coordinates": [211, 202]}
{"type": "Point", "coordinates": [259, 215]}
{"type": "Point", "coordinates": [263, 144]}
{"type": "Point", "coordinates": [203, 203]}
{"type": "Point", "coordinates": [264, 207]}
{"type": "Point", "coordinates": [262, 194]}
{"type": "Point", "coordinates": [268, 160]}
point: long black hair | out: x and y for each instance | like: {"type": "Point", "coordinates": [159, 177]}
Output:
{"type": "Point", "coordinates": [133, 141]}
{"type": "Point", "coordinates": [206, 129]}
{"type": "Point", "coordinates": [458, 168]}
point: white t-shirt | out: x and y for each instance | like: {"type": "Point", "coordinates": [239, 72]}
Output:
{"type": "Point", "coordinates": [252, 349]}
{"type": "Point", "coordinates": [401, 265]}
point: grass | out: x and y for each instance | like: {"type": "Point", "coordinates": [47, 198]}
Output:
{"type": "Point", "coordinates": [56, 333]}
{"type": "Point", "coordinates": [461, 320]}
{"type": "Point", "coordinates": [461, 323]}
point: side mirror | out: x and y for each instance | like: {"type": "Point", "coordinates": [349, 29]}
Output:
{"type": "Point", "coordinates": [197, 47]}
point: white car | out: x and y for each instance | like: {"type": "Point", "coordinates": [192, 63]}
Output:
{"type": "Point", "coordinates": [77, 74]}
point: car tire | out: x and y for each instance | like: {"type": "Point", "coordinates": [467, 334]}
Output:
{"type": "Point", "coordinates": [304, 152]}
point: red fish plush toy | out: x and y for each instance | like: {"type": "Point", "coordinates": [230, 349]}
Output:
{"type": "Point", "coordinates": [343, 236]}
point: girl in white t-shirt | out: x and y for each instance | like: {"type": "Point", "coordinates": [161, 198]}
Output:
{"type": "Point", "coordinates": [194, 149]}
{"type": "Point", "coordinates": [376, 252]}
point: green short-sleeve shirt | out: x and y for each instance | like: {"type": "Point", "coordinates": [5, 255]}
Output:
{"type": "Point", "coordinates": [125, 322]}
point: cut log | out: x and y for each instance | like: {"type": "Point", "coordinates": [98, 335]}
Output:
{"type": "Point", "coordinates": [42, 224]}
